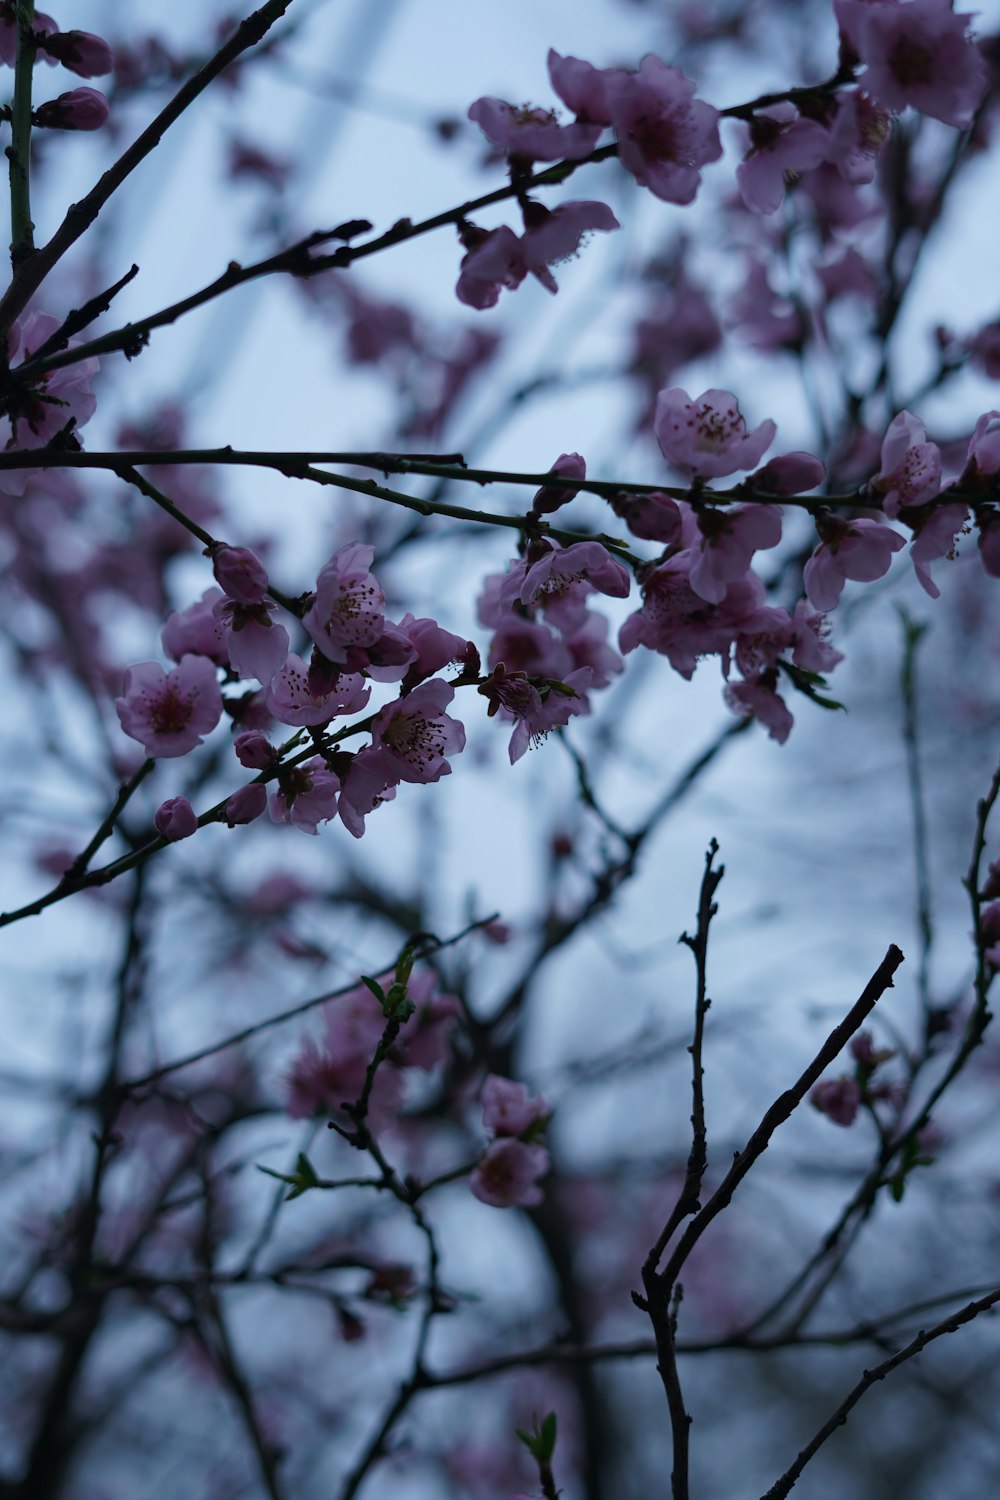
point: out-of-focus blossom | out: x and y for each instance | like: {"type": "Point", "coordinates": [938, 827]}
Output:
{"type": "Point", "coordinates": [534, 134]}
{"type": "Point", "coordinates": [837, 1098]}
{"type": "Point", "coordinates": [920, 53]}
{"type": "Point", "coordinates": [508, 1173]}
{"type": "Point", "coordinates": [508, 1108]}
{"type": "Point", "coordinates": [781, 147]}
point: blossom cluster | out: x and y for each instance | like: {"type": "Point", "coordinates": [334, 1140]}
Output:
{"type": "Point", "coordinates": [81, 52]}
{"type": "Point", "coordinates": [508, 1170]}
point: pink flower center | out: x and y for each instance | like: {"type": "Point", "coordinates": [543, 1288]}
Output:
{"type": "Point", "coordinates": [912, 62]}
{"type": "Point", "coordinates": [418, 741]}
{"type": "Point", "coordinates": [170, 713]}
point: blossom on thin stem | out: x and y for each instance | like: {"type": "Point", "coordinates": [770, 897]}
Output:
{"type": "Point", "coordinates": [708, 435]}
{"type": "Point", "coordinates": [170, 712]}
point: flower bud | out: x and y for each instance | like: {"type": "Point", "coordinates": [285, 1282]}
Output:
{"type": "Point", "coordinates": [240, 572]}
{"type": "Point", "coordinates": [254, 750]}
{"type": "Point", "coordinates": [175, 819]}
{"type": "Point", "coordinates": [81, 52]}
{"type": "Point", "coordinates": [80, 109]}
{"type": "Point", "coordinates": [246, 804]}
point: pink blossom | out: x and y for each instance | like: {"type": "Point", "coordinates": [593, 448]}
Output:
{"type": "Point", "coordinates": [708, 435]}
{"type": "Point", "coordinates": [985, 350]}
{"type": "Point", "coordinates": [767, 320]}
{"type": "Point", "coordinates": [370, 780]}
{"type": "Point", "coordinates": [508, 1108]}
{"type": "Point", "coordinates": [729, 539]}
{"type": "Point", "coordinates": [508, 1172]}
{"type": "Point", "coordinates": [859, 131]}
{"type": "Point", "coordinates": [240, 572]}
{"type": "Point", "coordinates": [246, 805]}
{"type": "Point", "coordinates": [654, 517]}
{"type": "Point", "coordinates": [298, 695]}
{"type": "Point", "coordinates": [983, 459]}
{"type": "Point", "coordinates": [529, 646]}
{"type": "Point", "coordinates": [847, 274]}
{"type": "Point", "coordinates": [80, 109]}
{"type": "Point", "coordinates": [937, 532]}
{"type": "Point", "coordinates": [534, 134]}
{"type": "Point", "coordinates": [349, 606]}
{"type": "Point", "coordinates": [675, 622]}
{"type": "Point", "coordinates": [42, 26]}
{"type": "Point", "coordinates": [560, 567]}
{"type": "Point", "coordinates": [255, 644]}
{"type": "Point", "coordinates": [435, 648]}
{"type": "Point", "coordinates": [837, 1098]}
{"type": "Point", "coordinates": [57, 402]}
{"type": "Point", "coordinates": [920, 53]}
{"type": "Point", "coordinates": [254, 750]}
{"type": "Point", "coordinates": [665, 135]}
{"type": "Point", "coordinates": [861, 550]}
{"type": "Point", "coordinates": [911, 467]}
{"type": "Point", "coordinates": [493, 260]}
{"type": "Point", "coordinates": [170, 712]}
{"type": "Point", "coordinates": [788, 474]}
{"type": "Point", "coordinates": [812, 649]}
{"type": "Point", "coordinates": [537, 710]}
{"type": "Point", "coordinates": [417, 735]}
{"type": "Point", "coordinates": [989, 930]}
{"type": "Point", "coordinates": [551, 497]}
{"type": "Point", "coordinates": [553, 237]}
{"type": "Point", "coordinates": [306, 796]}
{"type": "Point", "coordinates": [582, 87]}
{"type": "Point", "coordinates": [195, 631]}
{"type": "Point", "coordinates": [781, 147]}
{"type": "Point", "coordinates": [588, 647]}
{"type": "Point", "coordinates": [425, 1040]}
{"type": "Point", "coordinates": [81, 52]}
{"type": "Point", "coordinates": [759, 698]}
{"type": "Point", "coordinates": [175, 819]}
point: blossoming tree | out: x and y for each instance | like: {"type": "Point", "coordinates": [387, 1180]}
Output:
{"type": "Point", "coordinates": [409, 1158]}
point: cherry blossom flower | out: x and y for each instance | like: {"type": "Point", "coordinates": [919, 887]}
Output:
{"type": "Point", "coordinates": [417, 735]}
{"type": "Point", "coordinates": [729, 539]}
{"type": "Point", "coordinates": [861, 550]}
{"type": "Point", "coordinates": [859, 131]}
{"type": "Point", "coordinates": [560, 567]}
{"type": "Point", "coordinates": [79, 109]}
{"type": "Point", "coordinates": [983, 459]}
{"type": "Point", "coordinates": [493, 260]}
{"type": "Point", "coordinates": [758, 697]}
{"type": "Point", "coordinates": [306, 796]}
{"type": "Point", "coordinates": [175, 819]}
{"type": "Point", "coordinates": [195, 631]}
{"type": "Point", "coordinates": [370, 780]}
{"type": "Point", "coordinates": [537, 710]}
{"type": "Point", "coordinates": [708, 435]}
{"type": "Point", "coordinates": [582, 87]}
{"type": "Point", "coordinates": [255, 644]}
{"type": "Point", "coordinates": [782, 145]}
{"type": "Point", "coordinates": [349, 606]}
{"type": "Point", "coordinates": [508, 1172]}
{"type": "Point", "coordinates": [665, 135]}
{"type": "Point", "coordinates": [911, 467]}
{"type": "Point", "coordinates": [246, 805]}
{"type": "Point", "coordinates": [508, 1108]}
{"type": "Point", "coordinates": [534, 134]}
{"type": "Point", "coordinates": [170, 712]}
{"type": "Point", "coordinates": [920, 53]}
{"type": "Point", "coordinates": [42, 25]}
{"type": "Point", "coordinates": [435, 648]}
{"type": "Point", "coordinates": [59, 401]}
{"type": "Point", "coordinates": [297, 695]}
{"type": "Point", "coordinates": [937, 531]}
{"type": "Point", "coordinates": [240, 572]}
{"type": "Point", "coordinates": [551, 497]}
{"type": "Point", "coordinates": [552, 237]}
{"type": "Point", "coordinates": [837, 1098]}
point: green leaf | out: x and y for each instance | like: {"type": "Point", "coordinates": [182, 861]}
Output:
{"type": "Point", "coordinates": [547, 1438]}
{"type": "Point", "coordinates": [375, 988]}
